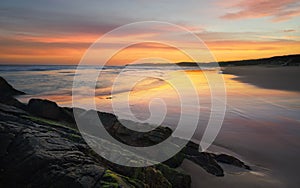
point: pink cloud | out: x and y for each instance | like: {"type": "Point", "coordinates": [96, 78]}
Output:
{"type": "Point", "coordinates": [278, 10]}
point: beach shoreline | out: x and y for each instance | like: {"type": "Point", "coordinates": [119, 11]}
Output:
{"type": "Point", "coordinates": [268, 143]}
{"type": "Point", "coordinates": [269, 77]}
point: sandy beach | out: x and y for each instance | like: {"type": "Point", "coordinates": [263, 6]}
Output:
{"type": "Point", "coordinates": [270, 77]}
{"type": "Point", "coordinates": [265, 133]}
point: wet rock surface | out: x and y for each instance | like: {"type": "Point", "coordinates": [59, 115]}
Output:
{"type": "Point", "coordinates": [35, 155]}
{"type": "Point", "coordinates": [7, 93]}
{"type": "Point", "coordinates": [7, 89]}
{"type": "Point", "coordinates": [49, 110]}
{"type": "Point", "coordinates": [38, 153]}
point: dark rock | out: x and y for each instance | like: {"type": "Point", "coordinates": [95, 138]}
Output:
{"type": "Point", "coordinates": [176, 160]}
{"type": "Point", "coordinates": [154, 177]}
{"type": "Point", "coordinates": [7, 90]}
{"type": "Point", "coordinates": [191, 149]}
{"type": "Point", "coordinates": [49, 110]}
{"type": "Point", "coordinates": [208, 163]}
{"type": "Point", "coordinates": [136, 138]}
{"type": "Point", "coordinates": [107, 119]}
{"type": "Point", "coordinates": [205, 160]}
{"type": "Point", "coordinates": [8, 100]}
{"type": "Point", "coordinates": [223, 158]}
{"type": "Point", "coordinates": [176, 178]}
{"type": "Point", "coordinates": [12, 109]}
{"type": "Point", "coordinates": [36, 154]}
{"type": "Point", "coordinates": [151, 175]}
{"type": "Point", "coordinates": [159, 134]}
{"type": "Point", "coordinates": [111, 179]}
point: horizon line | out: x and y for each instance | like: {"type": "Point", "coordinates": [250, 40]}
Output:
{"type": "Point", "coordinates": [54, 64]}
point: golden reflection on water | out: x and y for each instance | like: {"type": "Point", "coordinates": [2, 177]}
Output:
{"type": "Point", "coordinates": [143, 92]}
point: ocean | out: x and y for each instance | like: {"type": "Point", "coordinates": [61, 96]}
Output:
{"type": "Point", "coordinates": [56, 83]}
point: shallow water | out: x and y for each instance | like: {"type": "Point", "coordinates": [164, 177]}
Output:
{"type": "Point", "coordinates": [243, 100]}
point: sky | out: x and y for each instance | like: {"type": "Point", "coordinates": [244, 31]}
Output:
{"type": "Point", "coordinates": [60, 32]}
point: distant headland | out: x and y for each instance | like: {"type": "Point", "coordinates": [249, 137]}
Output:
{"type": "Point", "coordinates": [286, 60]}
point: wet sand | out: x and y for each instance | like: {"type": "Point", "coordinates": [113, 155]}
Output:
{"type": "Point", "coordinates": [272, 77]}
{"type": "Point", "coordinates": [261, 127]}
{"type": "Point", "coordinates": [234, 178]}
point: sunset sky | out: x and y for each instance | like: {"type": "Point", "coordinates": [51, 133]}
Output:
{"type": "Point", "coordinates": [59, 32]}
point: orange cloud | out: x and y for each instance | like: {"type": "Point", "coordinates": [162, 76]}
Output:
{"type": "Point", "coordinates": [27, 49]}
{"type": "Point", "coordinates": [145, 52]}
{"type": "Point", "coordinates": [70, 49]}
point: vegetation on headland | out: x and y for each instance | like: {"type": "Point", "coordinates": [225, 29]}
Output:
{"type": "Point", "coordinates": [286, 60]}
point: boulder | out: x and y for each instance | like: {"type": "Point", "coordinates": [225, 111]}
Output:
{"type": "Point", "coordinates": [227, 159]}
{"type": "Point", "coordinates": [176, 178]}
{"type": "Point", "coordinates": [42, 155]}
{"type": "Point", "coordinates": [34, 155]}
{"type": "Point", "coordinates": [207, 163]}
{"type": "Point", "coordinates": [49, 110]}
{"type": "Point", "coordinates": [7, 90]}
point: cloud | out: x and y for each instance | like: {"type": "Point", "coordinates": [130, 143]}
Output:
{"type": "Point", "coordinates": [32, 51]}
{"type": "Point", "coordinates": [215, 35]}
{"type": "Point", "coordinates": [49, 23]}
{"type": "Point", "coordinates": [243, 45]}
{"type": "Point", "coordinates": [263, 36]}
{"type": "Point", "coordinates": [16, 43]}
{"type": "Point", "coordinates": [289, 30]}
{"type": "Point", "coordinates": [278, 10]}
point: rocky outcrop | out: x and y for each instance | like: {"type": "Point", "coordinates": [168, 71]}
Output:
{"type": "Point", "coordinates": [7, 92]}
{"type": "Point", "coordinates": [36, 152]}
{"type": "Point", "coordinates": [33, 155]}
{"type": "Point", "coordinates": [227, 159]}
{"type": "Point", "coordinates": [209, 161]}
{"type": "Point", "coordinates": [41, 147]}
{"type": "Point", "coordinates": [49, 110]}
{"type": "Point", "coordinates": [7, 89]}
